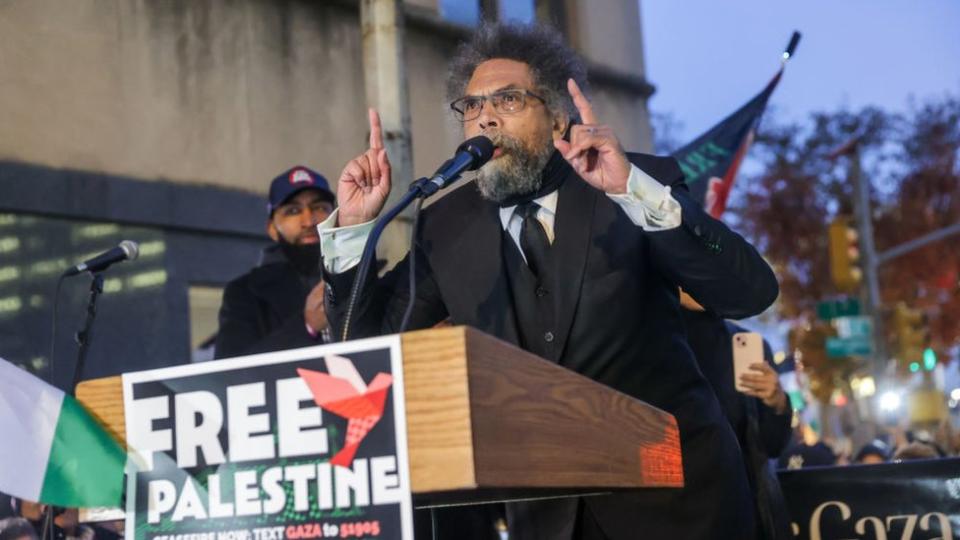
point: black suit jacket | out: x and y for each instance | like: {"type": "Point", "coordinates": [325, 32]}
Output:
{"type": "Point", "coordinates": [262, 311]}
{"type": "Point", "coordinates": [618, 322]}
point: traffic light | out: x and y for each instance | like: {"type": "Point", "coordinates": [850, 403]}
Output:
{"type": "Point", "coordinates": [911, 339]}
{"type": "Point", "coordinates": [929, 359]}
{"type": "Point", "coordinates": [844, 254]}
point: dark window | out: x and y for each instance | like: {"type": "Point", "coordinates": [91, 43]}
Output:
{"type": "Point", "coordinates": [143, 317]}
{"type": "Point", "coordinates": [517, 10]}
{"type": "Point", "coordinates": [470, 12]}
{"type": "Point", "coordinates": [466, 12]}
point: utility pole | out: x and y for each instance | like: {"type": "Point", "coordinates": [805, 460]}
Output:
{"type": "Point", "coordinates": [864, 216]}
{"type": "Point", "coordinates": [385, 79]}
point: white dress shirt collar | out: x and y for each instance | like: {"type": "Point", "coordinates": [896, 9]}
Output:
{"type": "Point", "coordinates": [547, 213]}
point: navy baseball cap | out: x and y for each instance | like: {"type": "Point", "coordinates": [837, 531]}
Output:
{"type": "Point", "coordinates": [800, 456]}
{"type": "Point", "coordinates": [295, 180]}
{"type": "Point", "coordinates": [874, 448]}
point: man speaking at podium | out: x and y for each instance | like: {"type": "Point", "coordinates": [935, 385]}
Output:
{"type": "Point", "coordinates": [572, 249]}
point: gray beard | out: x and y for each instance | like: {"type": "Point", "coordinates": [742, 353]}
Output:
{"type": "Point", "coordinates": [517, 172]}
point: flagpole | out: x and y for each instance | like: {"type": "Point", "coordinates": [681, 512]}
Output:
{"type": "Point", "coordinates": [791, 48]}
{"type": "Point", "coordinates": [785, 57]}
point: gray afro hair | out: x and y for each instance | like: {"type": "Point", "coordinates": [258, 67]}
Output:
{"type": "Point", "coordinates": [541, 47]}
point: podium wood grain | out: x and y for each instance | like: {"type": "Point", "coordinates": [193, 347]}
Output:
{"type": "Point", "coordinates": [483, 415]}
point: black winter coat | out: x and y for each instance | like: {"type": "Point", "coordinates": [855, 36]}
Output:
{"type": "Point", "coordinates": [262, 310]}
{"type": "Point", "coordinates": [762, 433]}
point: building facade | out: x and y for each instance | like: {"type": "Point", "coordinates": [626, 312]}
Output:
{"type": "Point", "coordinates": [163, 122]}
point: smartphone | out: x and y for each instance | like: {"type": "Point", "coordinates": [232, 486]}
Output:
{"type": "Point", "coordinates": [747, 349]}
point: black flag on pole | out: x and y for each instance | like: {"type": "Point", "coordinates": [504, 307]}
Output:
{"type": "Point", "coordinates": [710, 163]}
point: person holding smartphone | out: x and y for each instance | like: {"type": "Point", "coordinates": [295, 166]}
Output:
{"type": "Point", "coordinates": [753, 401]}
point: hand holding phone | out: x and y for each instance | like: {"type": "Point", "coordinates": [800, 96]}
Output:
{"type": "Point", "coordinates": [753, 376]}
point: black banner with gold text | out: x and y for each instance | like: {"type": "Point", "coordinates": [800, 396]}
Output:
{"type": "Point", "coordinates": [912, 500]}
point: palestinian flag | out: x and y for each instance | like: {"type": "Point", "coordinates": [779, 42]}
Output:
{"type": "Point", "coordinates": [710, 163]}
{"type": "Point", "coordinates": [51, 450]}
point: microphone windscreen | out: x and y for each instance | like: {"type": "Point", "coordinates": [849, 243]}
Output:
{"type": "Point", "coordinates": [131, 248]}
{"type": "Point", "coordinates": [480, 147]}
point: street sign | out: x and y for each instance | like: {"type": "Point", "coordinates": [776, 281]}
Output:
{"type": "Point", "coordinates": [844, 307]}
{"type": "Point", "coordinates": [854, 346]}
{"type": "Point", "coordinates": [859, 326]}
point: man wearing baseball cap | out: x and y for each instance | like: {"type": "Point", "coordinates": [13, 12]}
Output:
{"type": "Point", "coordinates": [279, 304]}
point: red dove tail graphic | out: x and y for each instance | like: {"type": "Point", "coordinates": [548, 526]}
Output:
{"type": "Point", "coordinates": [344, 457]}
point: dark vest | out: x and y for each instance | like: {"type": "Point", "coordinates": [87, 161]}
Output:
{"type": "Point", "coordinates": [534, 301]}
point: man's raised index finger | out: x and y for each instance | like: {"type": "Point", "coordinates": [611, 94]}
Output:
{"type": "Point", "coordinates": [376, 132]}
{"type": "Point", "coordinates": [580, 101]}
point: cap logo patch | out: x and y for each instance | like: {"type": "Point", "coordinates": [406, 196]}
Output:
{"type": "Point", "coordinates": [300, 176]}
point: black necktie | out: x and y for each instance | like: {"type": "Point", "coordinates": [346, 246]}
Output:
{"type": "Point", "coordinates": [533, 239]}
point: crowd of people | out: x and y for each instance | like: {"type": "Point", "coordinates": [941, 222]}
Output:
{"type": "Point", "coordinates": [26, 520]}
{"type": "Point", "coordinates": [894, 446]}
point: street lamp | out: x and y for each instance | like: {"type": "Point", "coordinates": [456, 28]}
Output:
{"type": "Point", "coordinates": [890, 401]}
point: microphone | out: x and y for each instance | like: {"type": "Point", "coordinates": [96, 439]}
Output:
{"type": "Point", "coordinates": [127, 250]}
{"type": "Point", "coordinates": [470, 156]}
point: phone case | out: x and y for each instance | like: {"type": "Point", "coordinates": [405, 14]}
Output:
{"type": "Point", "coordinates": [747, 349]}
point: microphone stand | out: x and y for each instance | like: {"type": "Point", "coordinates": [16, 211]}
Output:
{"type": "Point", "coordinates": [84, 336]}
{"type": "Point", "coordinates": [422, 188]}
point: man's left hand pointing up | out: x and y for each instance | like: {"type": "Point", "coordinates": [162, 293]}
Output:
{"type": "Point", "coordinates": [594, 150]}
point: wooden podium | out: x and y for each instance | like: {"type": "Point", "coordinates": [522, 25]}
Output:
{"type": "Point", "coordinates": [488, 421]}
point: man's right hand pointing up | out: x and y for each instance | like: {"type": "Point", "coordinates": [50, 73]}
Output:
{"type": "Point", "coordinates": [365, 181]}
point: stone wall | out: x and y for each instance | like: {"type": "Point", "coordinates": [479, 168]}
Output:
{"type": "Point", "coordinates": [231, 93]}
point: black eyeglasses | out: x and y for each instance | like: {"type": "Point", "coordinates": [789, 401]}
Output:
{"type": "Point", "coordinates": [510, 101]}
